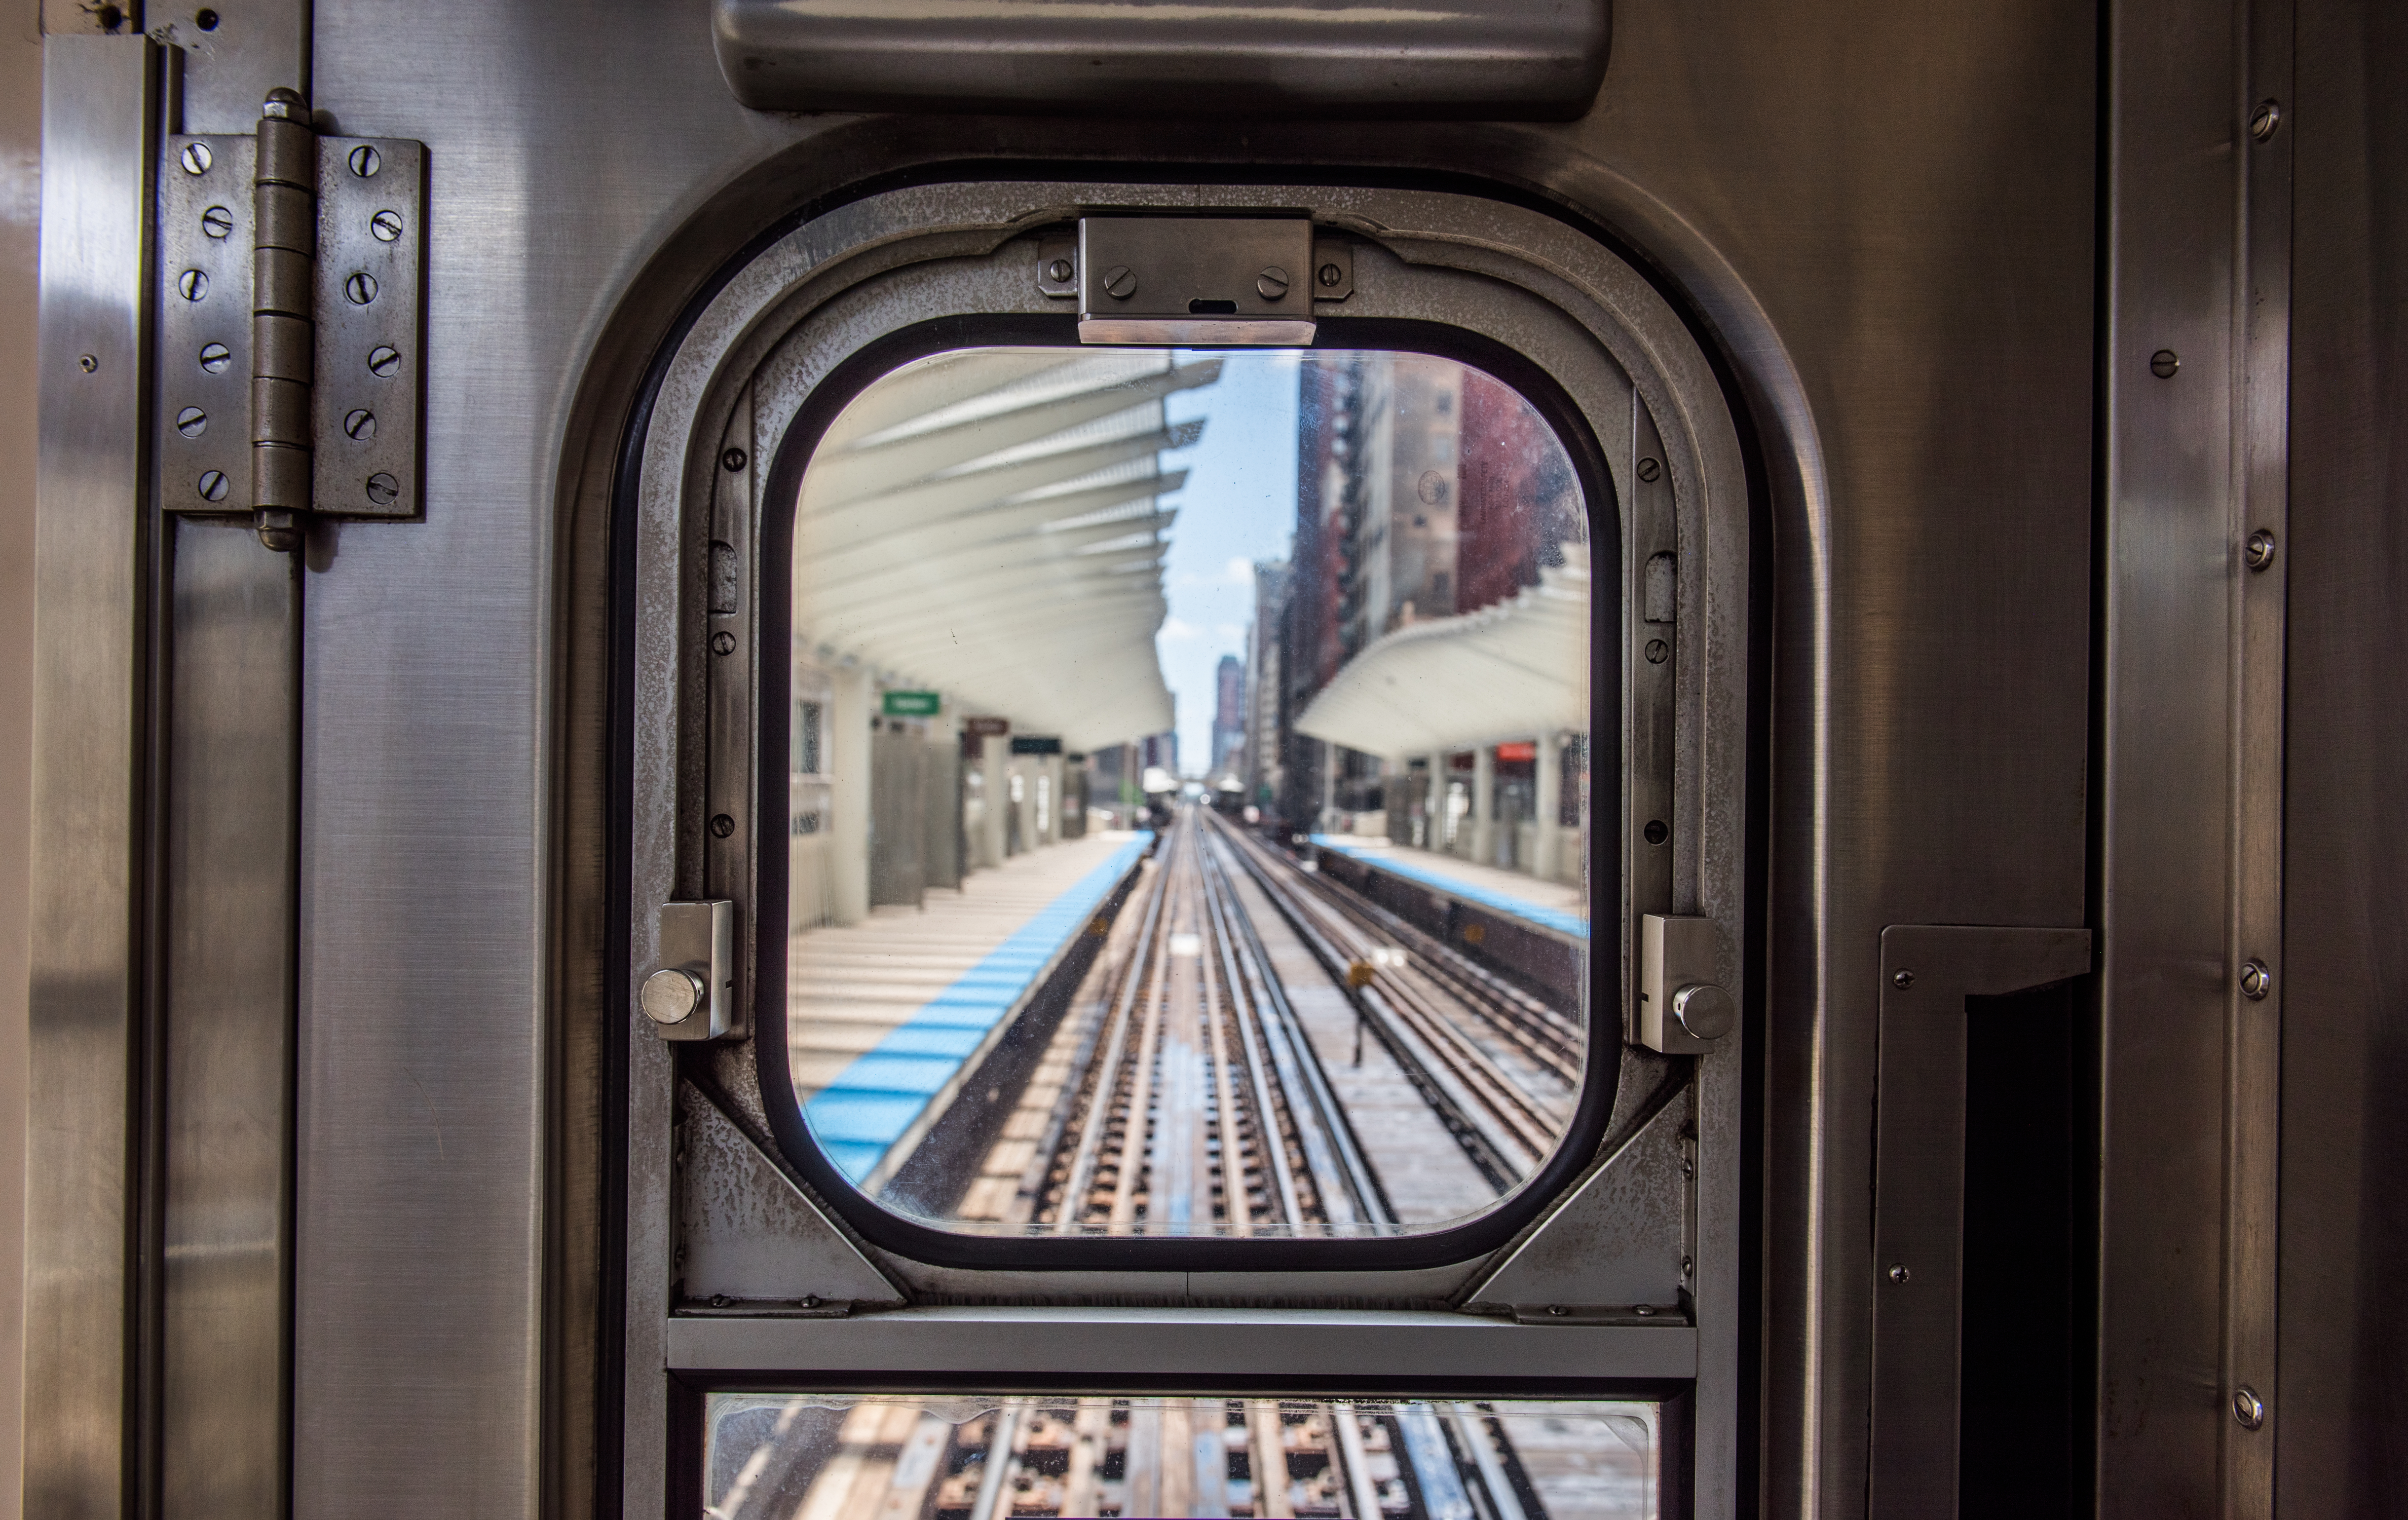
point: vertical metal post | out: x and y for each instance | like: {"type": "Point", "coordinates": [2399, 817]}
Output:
{"type": "Point", "coordinates": [99, 114]}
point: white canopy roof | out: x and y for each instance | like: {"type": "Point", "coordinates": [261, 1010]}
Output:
{"type": "Point", "coordinates": [985, 524]}
{"type": "Point", "coordinates": [1511, 671]}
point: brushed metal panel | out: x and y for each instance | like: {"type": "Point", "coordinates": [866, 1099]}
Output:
{"type": "Point", "coordinates": [1205, 1342]}
{"type": "Point", "coordinates": [98, 116]}
{"type": "Point", "coordinates": [2341, 1448]}
{"type": "Point", "coordinates": [1501, 59]}
{"type": "Point", "coordinates": [228, 862]}
{"type": "Point", "coordinates": [255, 47]}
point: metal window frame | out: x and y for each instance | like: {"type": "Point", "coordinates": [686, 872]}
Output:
{"type": "Point", "coordinates": [813, 295]}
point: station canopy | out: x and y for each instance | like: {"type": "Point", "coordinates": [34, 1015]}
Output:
{"type": "Point", "coordinates": [1509, 671]}
{"type": "Point", "coordinates": [988, 525]}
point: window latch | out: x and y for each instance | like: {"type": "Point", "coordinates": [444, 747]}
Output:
{"type": "Point", "coordinates": [1219, 281]}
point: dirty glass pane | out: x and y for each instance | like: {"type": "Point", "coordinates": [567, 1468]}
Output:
{"type": "Point", "coordinates": [783, 1457]}
{"type": "Point", "coordinates": [1190, 799]}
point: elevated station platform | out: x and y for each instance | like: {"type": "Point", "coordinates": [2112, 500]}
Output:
{"type": "Point", "coordinates": [886, 1016]}
{"type": "Point", "coordinates": [1549, 906]}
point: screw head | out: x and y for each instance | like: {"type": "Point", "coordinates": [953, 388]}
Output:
{"type": "Point", "coordinates": [359, 425]}
{"type": "Point", "coordinates": [1898, 1272]}
{"type": "Point", "coordinates": [384, 361]}
{"type": "Point", "coordinates": [1643, 1311]}
{"type": "Point", "coordinates": [1060, 270]}
{"type": "Point", "coordinates": [1655, 832]}
{"type": "Point", "coordinates": [211, 486]}
{"type": "Point", "coordinates": [1271, 284]}
{"type": "Point", "coordinates": [670, 995]}
{"type": "Point", "coordinates": [1650, 469]}
{"type": "Point", "coordinates": [2163, 364]}
{"type": "Point", "coordinates": [215, 357]}
{"type": "Point", "coordinates": [732, 460]}
{"type": "Point", "coordinates": [383, 490]}
{"type": "Point", "coordinates": [191, 422]}
{"type": "Point", "coordinates": [2265, 120]}
{"type": "Point", "coordinates": [2256, 980]}
{"type": "Point", "coordinates": [2259, 552]}
{"type": "Point", "coordinates": [193, 284]}
{"type": "Point", "coordinates": [722, 643]}
{"type": "Point", "coordinates": [2248, 1408]}
{"type": "Point", "coordinates": [1329, 275]}
{"type": "Point", "coordinates": [722, 825]}
{"type": "Point", "coordinates": [360, 289]}
{"type": "Point", "coordinates": [217, 221]}
{"type": "Point", "coordinates": [1557, 1310]}
{"type": "Point", "coordinates": [88, 363]}
{"type": "Point", "coordinates": [196, 158]}
{"type": "Point", "coordinates": [365, 161]}
{"type": "Point", "coordinates": [1120, 282]}
{"type": "Point", "coordinates": [1658, 651]}
{"type": "Point", "coordinates": [1902, 980]}
{"type": "Point", "coordinates": [385, 226]}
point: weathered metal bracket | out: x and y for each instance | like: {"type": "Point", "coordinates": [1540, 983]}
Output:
{"type": "Point", "coordinates": [750, 1242]}
{"type": "Point", "coordinates": [292, 303]}
{"type": "Point", "coordinates": [1619, 1249]}
{"type": "Point", "coordinates": [1928, 972]}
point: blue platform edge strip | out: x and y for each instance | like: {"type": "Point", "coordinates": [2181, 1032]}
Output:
{"type": "Point", "coordinates": [875, 1101]}
{"type": "Point", "coordinates": [1456, 887]}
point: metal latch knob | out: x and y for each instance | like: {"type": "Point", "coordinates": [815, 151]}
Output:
{"type": "Point", "coordinates": [670, 995]}
{"type": "Point", "coordinates": [1705, 1009]}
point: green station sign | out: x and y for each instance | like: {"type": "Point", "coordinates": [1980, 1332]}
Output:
{"type": "Point", "coordinates": [911, 704]}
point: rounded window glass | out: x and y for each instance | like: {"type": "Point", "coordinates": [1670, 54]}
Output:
{"type": "Point", "coordinates": [1189, 793]}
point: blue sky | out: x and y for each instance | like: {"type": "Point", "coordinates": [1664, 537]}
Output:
{"type": "Point", "coordinates": [1239, 505]}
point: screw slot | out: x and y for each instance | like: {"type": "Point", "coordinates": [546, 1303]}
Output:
{"type": "Point", "coordinates": [1898, 1274]}
{"type": "Point", "coordinates": [1059, 271]}
{"type": "Point", "coordinates": [211, 486]}
{"type": "Point", "coordinates": [2248, 1408]}
{"type": "Point", "coordinates": [1271, 284]}
{"type": "Point", "coordinates": [2256, 980]}
{"type": "Point", "coordinates": [193, 285]}
{"type": "Point", "coordinates": [1120, 282]}
{"type": "Point", "coordinates": [2259, 552]}
{"type": "Point", "coordinates": [365, 161]}
{"type": "Point", "coordinates": [2163, 364]}
{"type": "Point", "coordinates": [732, 460]}
{"type": "Point", "coordinates": [1902, 980]}
{"type": "Point", "coordinates": [385, 225]}
{"type": "Point", "coordinates": [722, 643]}
{"type": "Point", "coordinates": [722, 825]}
{"type": "Point", "coordinates": [1650, 469]}
{"type": "Point", "coordinates": [359, 425]}
{"type": "Point", "coordinates": [215, 357]}
{"type": "Point", "coordinates": [196, 158]}
{"type": "Point", "coordinates": [1331, 275]}
{"type": "Point", "coordinates": [360, 289]}
{"type": "Point", "coordinates": [384, 361]}
{"type": "Point", "coordinates": [191, 422]}
{"type": "Point", "coordinates": [1658, 651]}
{"type": "Point", "coordinates": [2265, 120]}
{"type": "Point", "coordinates": [383, 490]}
{"type": "Point", "coordinates": [217, 221]}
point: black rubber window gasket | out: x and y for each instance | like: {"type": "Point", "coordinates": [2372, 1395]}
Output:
{"type": "Point", "coordinates": [925, 1242]}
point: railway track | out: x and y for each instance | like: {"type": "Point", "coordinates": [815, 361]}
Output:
{"type": "Point", "coordinates": [1193, 1098]}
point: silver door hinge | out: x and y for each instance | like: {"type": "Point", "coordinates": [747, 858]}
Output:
{"type": "Point", "coordinates": [292, 303]}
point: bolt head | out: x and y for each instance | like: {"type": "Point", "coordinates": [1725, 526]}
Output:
{"type": "Point", "coordinates": [670, 995]}
{"type": "Point", "coordinates": [1902, 980]}
{"type": "Point", "coordinates": [1120, 282]}
{"type": "Point", "coordinates": [2256, 980]}
{"type": "Point", "coordinates": [2259, 552]}
{"type": "Point", "coordinates": [2248, 1408]}
{"type": "Point", "coordinates": [2163, 364]}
